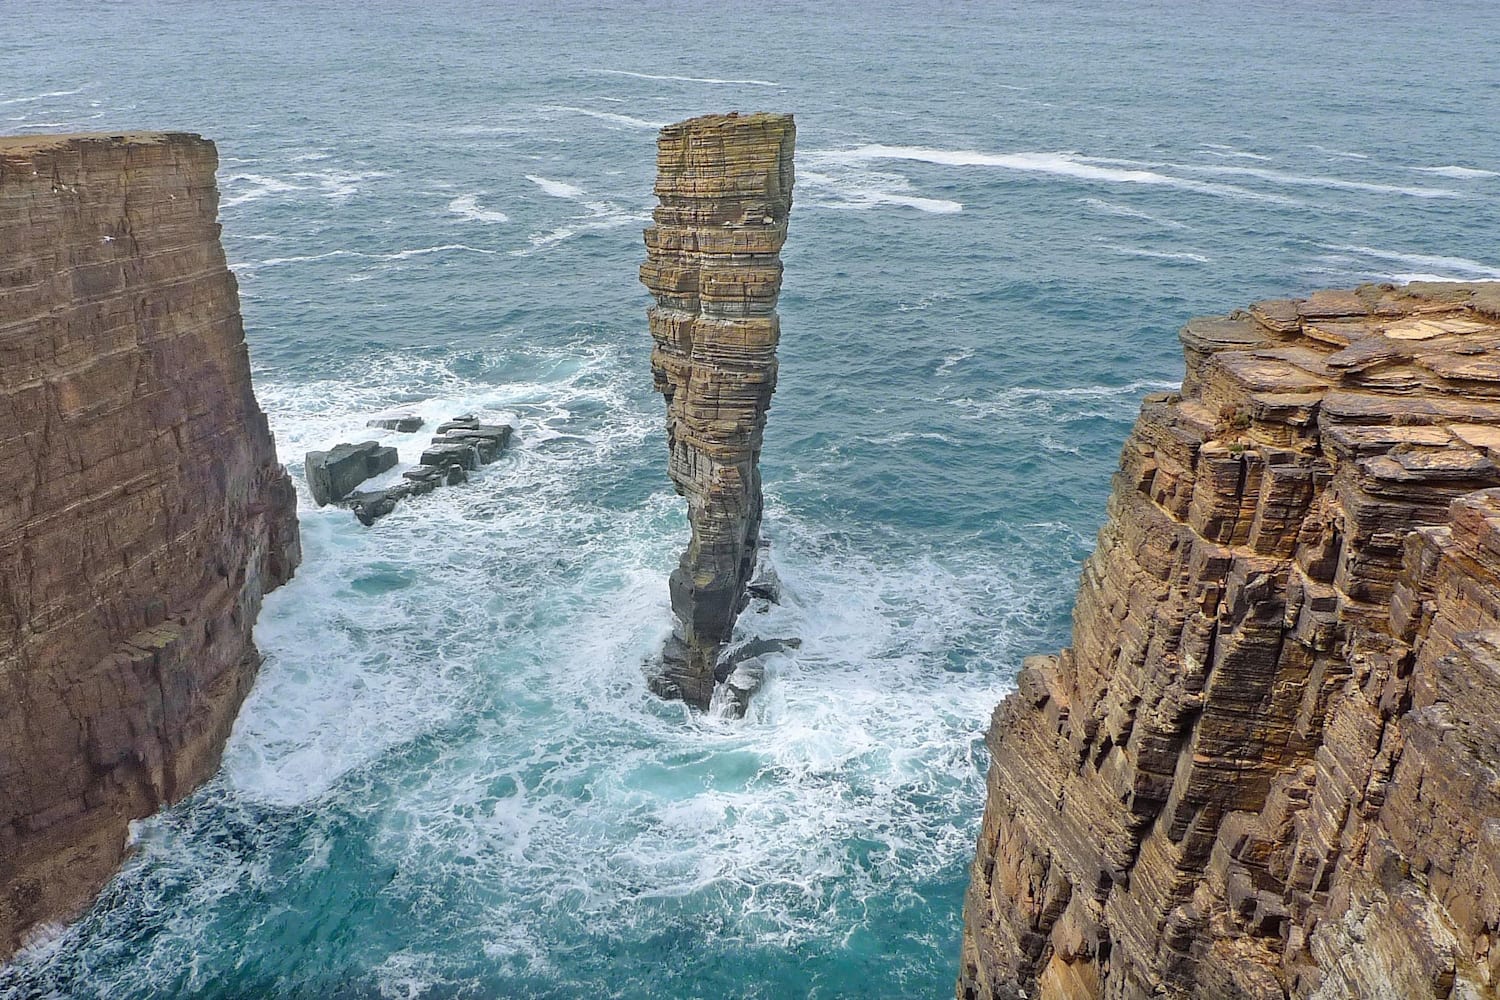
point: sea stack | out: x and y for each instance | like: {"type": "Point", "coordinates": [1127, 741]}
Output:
{"type": "Point", "coordinates": [143, 514]}
{"type": "Point", "coordinates": [1269, 764]}
{"type": "Point", "coordinates": [713, 263]}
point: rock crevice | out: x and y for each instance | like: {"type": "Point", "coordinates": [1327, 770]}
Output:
{"type": "Point", "coordinates": [724, 183]}
{"type": "Point", "coordinates": [1269, 764]}
{"type": "Point", "coordinates": [143, 513]}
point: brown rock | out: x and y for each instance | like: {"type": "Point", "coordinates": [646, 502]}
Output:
{"type": "Point", "coordinates": [1269, 765]}
{"type": "Point", "coordinates": [725, 188]}
{"type": "Point", "coordinates": [150, 514]}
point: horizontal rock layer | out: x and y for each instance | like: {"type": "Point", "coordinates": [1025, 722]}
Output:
{"type": "Point", "coordinates": [1269, 764]}
{"type": "Point", "coordinates": [724, 183]}
{"type": "Point", "coordinates": [143, 513]}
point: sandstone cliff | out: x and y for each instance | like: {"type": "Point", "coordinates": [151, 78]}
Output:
{"type": "Point", "coordinates": [142, 514]}
{"type": "Point", "coordinates": [1269, 765]}
{"type": "Point", "coordinates": [713, 263]}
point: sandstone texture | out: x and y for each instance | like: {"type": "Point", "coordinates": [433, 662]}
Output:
{"type": "Point", "coordinates": [1269, 764]}
{"type": "Point", "coordinates": [724, 183]}
{"type": "Point", "coordinates": [143, 514]}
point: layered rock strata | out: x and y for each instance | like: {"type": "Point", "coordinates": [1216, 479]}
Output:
{"type": "Point", "coordinates": [143, 514]}
{"type": "Point", "coordinates": [1269, 764]}
{"type": "Point", "coordinates": [724, 183]}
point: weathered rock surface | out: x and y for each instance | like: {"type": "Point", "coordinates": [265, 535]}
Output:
{"type": "Point", "coordinates": [1269, 765]}
{"type": "Point", "coordinates": [143, 515]}
{"type": "Point", "coordinates": [462, 445]}
{"type": "Point", "coordinates": [332, 475]}
{"type": "Point", "coordinates": [724, 183]}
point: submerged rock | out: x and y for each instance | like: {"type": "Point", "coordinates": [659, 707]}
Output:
{"type": "Point", "coordinates": [332, 475]}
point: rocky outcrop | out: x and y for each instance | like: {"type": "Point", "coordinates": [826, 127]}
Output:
{"type": "Point", "coordinates": [462, 445]}
{"type": "Point", "coordinates": [1269, 765]}
{"type": "Point", "coordinates": [725, 188]}
{"type": "Point", "coordinates": [143, 513]}
{"type": "Point", "coordinates": [332, 475]}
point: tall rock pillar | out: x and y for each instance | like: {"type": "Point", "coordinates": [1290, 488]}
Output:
{"type": "Point", "coordinates": [713, 262]}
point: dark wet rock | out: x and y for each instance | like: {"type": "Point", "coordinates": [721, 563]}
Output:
{"type": "Point", "coordinates": [461, 454]}
{"type": "Point", "coordinates": [753, 649]}
{"type": "Point", "coordinates": [462, 445]}
{"type": "Point", "coordinates": [332, 475]}
{"type": "Point", "coordinates": [403, 422]}
{"type": "Point", "coordinates": [765, 585]}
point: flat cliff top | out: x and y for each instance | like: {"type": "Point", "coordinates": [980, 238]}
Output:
{"type": "Point", "coordinates": [1414, 341]}
{"type": "Point", "coordinates": [19, 146]}
{"type": "Point", "coordinates": [733, 119]}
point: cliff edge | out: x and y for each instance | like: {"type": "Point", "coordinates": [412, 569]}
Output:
{"type": "Point", "coordinates": [1269, 764]}
{"type": "Point", "coordinates": [143, 514]}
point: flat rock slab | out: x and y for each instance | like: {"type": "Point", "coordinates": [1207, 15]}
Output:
{"type": "Point", "coordinates": [333, 475]}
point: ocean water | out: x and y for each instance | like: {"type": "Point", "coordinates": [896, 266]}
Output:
{"type": "Point", "coordinates": [450, 779]}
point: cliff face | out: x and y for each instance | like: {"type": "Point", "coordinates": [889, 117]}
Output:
{"type": "Point", "coordinates": [1269, 765]}
{"type": "Point", "coordinates": [142, 514]}
{"type": "Point", "coordinates": [725, 188]}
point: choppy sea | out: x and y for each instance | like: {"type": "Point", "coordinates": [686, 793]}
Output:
{"type": "Point", "coordinates": [450, 779]}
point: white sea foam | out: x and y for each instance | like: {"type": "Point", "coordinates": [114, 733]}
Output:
{"type": "Point", "coordinates": [1126, 212]}
{"type": "Point", "coordinates": [687, 79]}
{"type": "Point", "coordinates": [1335, 183]}
{"type": "Point", "coordinates": [952, 361]}
{"type": "Point", "coordinates": [616, 817]}
{"type": "Point", "coordinates": [1457, 172]}
{"type": "Point", "coordinates": [1067, 403]}
{"type": "Point", "coordinates": [43, 97]}
{"type": "Point", "coordinates": [392, 255]}
{"type": "Point", "coordinates": [600, 223]}
{"type": "Point", "coordinates": [1220, 149]}
{"type": "Point", "coordinates": [610, 116]}
{"type": "Point", "coordinates": [1344, 153]}
{"type": "Point", "coordinates": [467, 207]}
{"type": "Point", "coordinates": [1128, 251]}
{"type": "Point", "coordinates": [846, 188]}
{"type": "Point", "coordinates": [1281, 177]}
{"type": "Point", "coordinates": [557, 189]}
{"type": "Point", "coordinates": [599, 215]}
{"type": "Point", "coordinates": [1070, 165]}
{"type": "Point", "coordinates": [1445, 268]}
{"type": "Point", "coordinates": [339, 184]}
{"type": "Point", "coordinates": [253, 187]}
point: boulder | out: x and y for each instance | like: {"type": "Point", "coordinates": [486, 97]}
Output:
{"type": "Point", "coordinates": [333, 475]}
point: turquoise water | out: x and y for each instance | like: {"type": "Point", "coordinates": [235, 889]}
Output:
{"type": "Point", "coordinates": [450, 780]}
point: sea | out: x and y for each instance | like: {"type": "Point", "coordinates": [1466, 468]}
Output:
{"type": "Point", "coordinates": [450, 779]}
